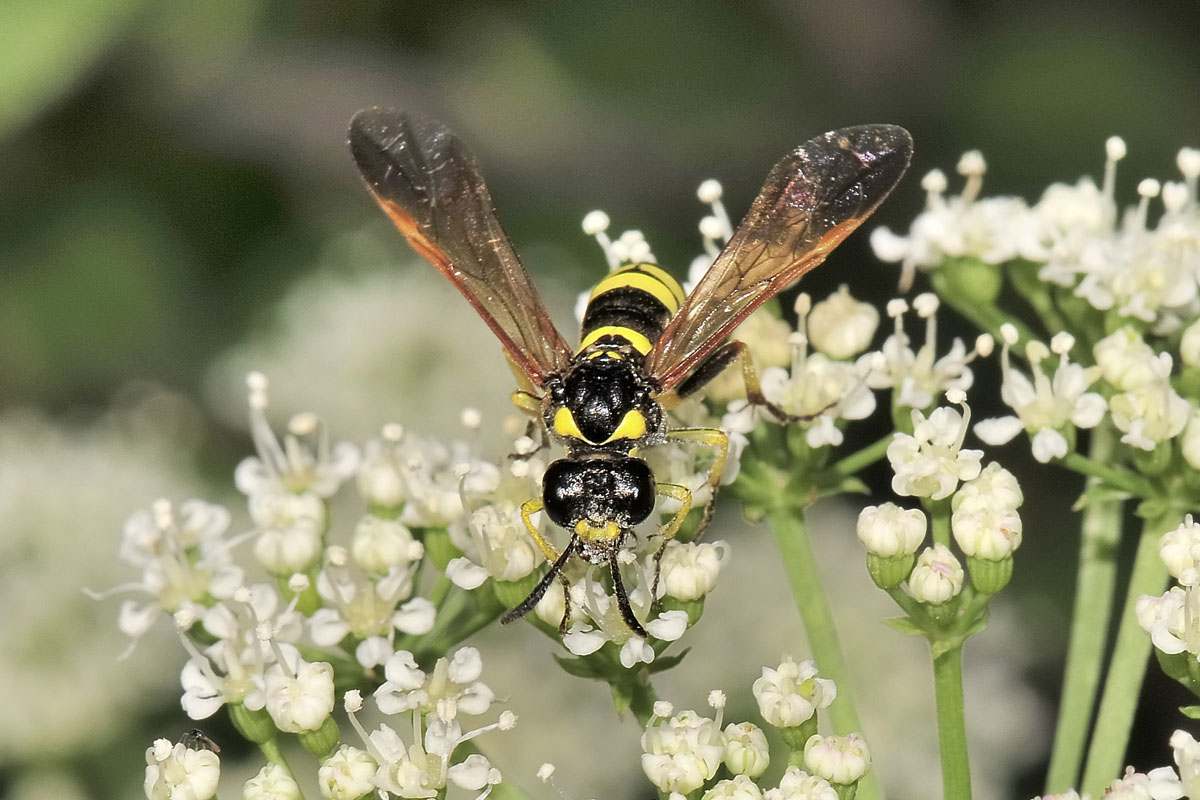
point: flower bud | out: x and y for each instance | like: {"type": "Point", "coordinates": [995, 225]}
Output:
{"type": "Point", "coordinates": [746, 749]}
{"type": "Point", "coordinates": [889, 530]}
{"type": "Point", "coordinates": [842, 327]}
{"type": "Point", "coordinates": [380, 544]}
{"type": "Point", "coordinates": [347, 774]}
{"type": "Point", "coordinates": [740, 787]}
{"type": "Point", "coordinates": [272, 782]}
{"type": "Point", "coordinates": [690, 570]}
{"type": "Point", "coordinates": [938, 576]}
{"type": "Point", "coordinates": [841, 760]}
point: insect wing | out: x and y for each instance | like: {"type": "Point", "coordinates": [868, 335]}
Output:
{"type": "Point", "coordinates": [430, 185]}
{"type": "Point", "coordinates": [812, 200]}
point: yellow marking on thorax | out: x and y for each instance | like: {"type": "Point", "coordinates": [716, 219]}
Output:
{"type": "Point", "coordinates": [650, 284]}
{"type": "Point", "coordinates": [631, 426]}
{"type": "Point", "coordinates": [564, 425]}
{"type": "Point", "coordinates": [638, 340]}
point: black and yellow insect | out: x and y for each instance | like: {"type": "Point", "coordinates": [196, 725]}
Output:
{"type": "Point", "coordinates": [644, 343]}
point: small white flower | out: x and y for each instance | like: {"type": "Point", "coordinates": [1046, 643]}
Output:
{"type": "Point", "coordinates": [368, 605]}
{"type": "Point", "coordinates": [984, 516]}
{"type": "Point", "coordinates": [380, 544]}
{"type": "Point", "coordinates": [681, 753]}
{"type": "Point", "coordinates": [304, 461]}
{"type": "Point", "coordinates": [473, 773]}
{"type": "Point", "coordinates": [746, 750]}
{"type": "Point", "coordinates": [1180, 551]}
{"type": "Point", "coordinates": [347, 774]}
{"type": "Point", "coordinates": [841, 760]}
{"type": "Point", "coordinates": [919, 376]}
{"type": "Point", "coordinates": [1158, 784]}
{"type": "Point", "coordinates": [842, 327]}
{"type": "Point", "coordinates": [1125, 360]}
{"type": "Point", "coordinates": [272, 782]}
{"type": "Point", "coordinates": [495, 541]}
{"type": "Point", "coordinates": [937, 577]}
{"type": "Point", "coordinates": [820, 388]}
{"type": "Point", "coordinates": [452, 687]}
{"type": "Point", "coordinates": [1044, 404]}
{"type": "Point", "coordinates": [1153, 412]}
{"type": "Point", "coordinates": [791, 693]}
{"type": "Point", "coordinates": [888, 530]}
{"type": "Point", "coordinates": [740, 787]}
{"type": "Point", "coordinates": [301, 699]}
{"type": "Point", "coordinates": [690, 570]}
{"type": "Point", "coordinates": [174, 771]}
{"type": "Point", "coordinates": [796, 784]}
{"type": "Point", "coordinates": [931, 462]}
{"type": "Point", "coordinates": [1172, 619]}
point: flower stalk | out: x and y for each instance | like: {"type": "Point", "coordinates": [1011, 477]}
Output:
{"type": "Point", "coordinates": [1127, 668]}
{"type": "Point", "coordinates": [1095, 585]}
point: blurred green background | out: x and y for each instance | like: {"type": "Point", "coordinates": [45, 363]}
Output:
{"type": "Point", "coordinates": [169, 172]}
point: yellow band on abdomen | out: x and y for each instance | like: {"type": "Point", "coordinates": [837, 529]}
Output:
{"type": "Point", "coordinates": [649, 284]}
{"type": "Point", "coordinates": [638, 340]}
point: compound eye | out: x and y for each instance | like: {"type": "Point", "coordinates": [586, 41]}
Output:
{"type": "Point", "coordinates": [564, 424]}
{"type": "Point", "coordinates": [633, 426]}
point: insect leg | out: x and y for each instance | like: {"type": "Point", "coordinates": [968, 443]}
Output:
{"type": "Point", "coordinates": [713, 437]}
{"type": "Point", "coordinates": [680, 493]}
{"type": "Point", "coordinates": [530, 405]}
{"type": "Point", "coordinates": [556, 571]}
{"type": "Point", "coordinates": [724, 356]}
{"type": "Point", "coordinates": [622, 598]}
{"type": "Point", "coordinates": [528, 509]}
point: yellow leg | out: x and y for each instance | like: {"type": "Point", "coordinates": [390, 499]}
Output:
{"type": "Point", "coordinates": [528, 509]}
{"type": "Point", "coordinates": [527, 403]}
{"type": "Point", "coordinates": [713, 437]}
{"type": "Point", "coordinates": [680, 493]}
{"type": "Point", "coordinates": [553, 557]}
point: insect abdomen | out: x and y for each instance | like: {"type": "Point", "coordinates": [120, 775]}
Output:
{"type": "Point", "coordinates": [634, 303]}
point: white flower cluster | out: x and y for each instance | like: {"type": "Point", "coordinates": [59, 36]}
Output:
{"type": "Point", "coordinates": [436, 703]}
{"type": "Point", "coordinates": [1098, 268]}
{"type": "Point", "coordinates": [983, 518]}
{"type": "Point", "coordinates": [1076, 233]}
{"type": "Point", "coordinates": [1161, 783]}
{"type": "Point", "coordinates": [682, 752]}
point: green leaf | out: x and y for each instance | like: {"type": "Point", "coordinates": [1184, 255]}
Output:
{"type": "Point", "coordinates": [593, 669]}
{"type": "Point", "coordinates": [622, 695]}
{"type": "Point", "coordinates": [1099, 493]}
{"type": "Point", "coordinates": [1191, 712]}
{"type": "Point", "coordinates": [664, 663]}
{"type": "Point", "coordinates": [906, 626]}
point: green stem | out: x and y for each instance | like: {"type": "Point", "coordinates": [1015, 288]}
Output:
{"type": "Point", "coordinates": [865, 457]}
{"type": "Point", "coordinates": [804, 578]}
{"type": "Point", "coordinates": [952, 729]}
{"type": "Point", "coordinates": [1117, 478]}
{"type": "Point", "coordinates": [1127, 667]}
{"type": "Point", "coordinates": [274, 755]}
{"type": "Point", "coordinates": [1095, 586]}
{"type": "Point", "coordinates": [939, 520]}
